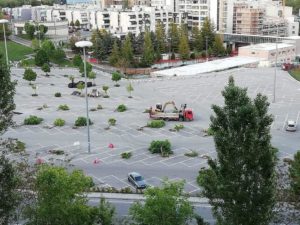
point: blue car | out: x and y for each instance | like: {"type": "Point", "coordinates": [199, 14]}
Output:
{"type": "Point", "coordinates": [137, 180]}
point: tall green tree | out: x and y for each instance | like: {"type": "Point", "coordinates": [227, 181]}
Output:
{"type": "Point", "coordinates": [60, 199]}
{"type": "Point", "coordinates": [77, 60]}
{"type": "Point", "coordinates": [197, 41]}
{"type": "Point", "coordinates": [77, 23]}
{"type": "Point", "coordinates": [218, 47]}
{"type": "Point", "coordinates": [127, 50]}
{"type": "Point", "coordinates": [184, 48]}
{"type": "Point", "coordinates": [148, 54]}
{"type": "Point", "coordinates": [173, 37]}
{"type": "Point", "coordinates": [89, 68]}
{"type": "Point", "coordinates": [208, 33]}
{"type": "Point", "coordinates": [48, 47]}
{"type": "Point", "coordinates": [116, 77]}
{"type": "Point", "coordinates": [41, 57]}
{"type": "Point", "coordinates": [160, 37]}
{"type": "Point", "coordinates": [29, 75]}
{"type": "Point", "coordinates": [240, 183]}
{"type": "Point", "coordinates": [7, 93]}
{"type": "Point", "coordinates": [294, 171]}
{"type": "Point", "coordinates": [163, 206]}
{"type": "Point", "coordinates": [46, 69]}
{"type": "Point", "coordinates": [29, 29]}
{"type": "Point", "coordinates": [115, 54]}
{"type": "Point", "coordinates": [104, 213]}
{"type": "Point", "coordinates": [9, 195]}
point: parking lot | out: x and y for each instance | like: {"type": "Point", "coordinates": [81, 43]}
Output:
{"type": "Point", "coordinates": [198, 92]}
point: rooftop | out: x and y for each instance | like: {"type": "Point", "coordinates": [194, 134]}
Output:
{"type": "Point", "coordinates": [267, 46]}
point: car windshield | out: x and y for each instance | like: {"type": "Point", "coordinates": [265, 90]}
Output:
{"type": "Point", "coordinates": [291, 125]}
{"type": "Point", "coordinates": [139, 178]}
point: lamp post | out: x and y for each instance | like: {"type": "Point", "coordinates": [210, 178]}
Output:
{"type": "Point", "coordinates": [4, 21]}
{"type": "Point", "coordinates": [84, 45]}
{"type": "Point", "coordinates": [275, 70]}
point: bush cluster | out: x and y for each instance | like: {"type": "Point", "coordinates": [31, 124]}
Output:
{"type": "Point", "coordinates": [191, 154]}
{"type": "Point", "coordinates": [162, 147]}
{"type": "Point", "coordinates": [63, 107]}
{"type": "Point", "coordinates": [57, 94]}
{"type": "Point", "coordinates": [121, 108]}
{"type": "Point", "coordinates": [126, 155]}
{"type": "Point", "coordinates": [112, 121]}
{"type": "Point", "coordinates": [156, 124]}
{"type": "Point", "coordinates": [178, 127]}
{"type": "Point", "coordinates": [59, 122]}
{"type": "Point", "coordinates": [81, 121]}
{"type": "Point", "coordinates": [32, 120]}
{"type": "Point", "coordinates": [57, 152]}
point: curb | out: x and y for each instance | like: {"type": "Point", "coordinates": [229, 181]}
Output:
{"type": "Point", "coordinates": [137, 197]}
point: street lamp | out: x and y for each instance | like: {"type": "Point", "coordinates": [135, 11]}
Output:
{"type": "Point", "coordinates": [4, 21]}
{"type": "Point", "coordinates": [84, 45]}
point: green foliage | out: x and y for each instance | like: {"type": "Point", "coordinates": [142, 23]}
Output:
{"type": "Point", "coordinates": [7, 92]}
{"type": "Point", "coordinates": [9, 195]}
{"type": "Point", "coordinates": [48, 47]}
{"type": "Point", "coordinates": [89, 68]}
{"type": "Point", "coordinates": [295, 4]}
{"type": "Point", "coordinates": [77, 60]}
{"type": "Point", "coordinates": [29, 29]}
{"type": "Point", "coordinates": [46, 68]}
{"type": "Point", "coordinates": [105, 89]}
{"type": "Point", "coordinates": [77, 23]}
{"type": "Point", "coordinates": [121, 108]}
{"type": "Point", "coordinates": [20, 147]}
{"type": "Point", "coordinates": [99, 106]}
{"type": "Point", "coordinates": [174, 37]}
{"type": "Point", "coordinates": [35, 44]}
{"type": "Point", "coordinates": [112, 121]}
{"type": "Point", "coordinates": [162, 147]}
{"type": "Point", "coordinates": [63, 107]}
{"type": "Point", "coordinates": [92, 75]}
{"type": "Point", "coordinates": [60, 198]}
{"type": "Point", "coordinates": [197, 41]}
{"type": "Point", "coordinates": [57, 152]}
{"type": "Point", "coordinates": [57, 94]}
{"type": "Point", "coordinates": [156, 124]}
{"type": "Point", "coordinates": [178, 127]}
{"type": "Point", "coordinates": [104, 213]}
{"type": "Point", "coordinates": [116, 76]}
{"type": "Point", "coordinates": [129, 89]}
{"type": "Point", "coordinates": [148, 56]}
{"type": "Point", "coordinates": [80, 86]}
{"type": "Point", "coordinates": [59, 122]}
{"type": "Point", "coordinates": [240, 182]}
{"type": "Point", "coordinates": [127, 51]}
{"type": "Point", "coordinates": [32, 120]}
{"type": "Point", "coordinates": [294, 171]}
{"type": "Point", "coordinates": [164, 205]}
{"type": "Point", "coordinates": [82, 121]}
{"type": "Point", "coordinates": [191, 153]}
{"type": "Point", "coordinates": [115, 55]}
{"type": "Point", "coordinates": [58, 55]}
{"type": "Point", "coordinates": [126, 155]}
{"type": "Point", "coordinates": [161, 37]}
{"type": "Point", "coordinates": [184, 49]}
{"type": "Point", "coordinates": [208, 32]}
{"type": "Point", "coordinates": [41, 58]}
{"type": "Point", "coordinates": [218, 47]}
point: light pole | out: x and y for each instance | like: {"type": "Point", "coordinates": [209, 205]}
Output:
{"type": "Point", "coordinates": [84, 45]}
{"type": "Point", "coordinates": [275, 70]}
{"type": "Point", "coordinates": [4, 21]}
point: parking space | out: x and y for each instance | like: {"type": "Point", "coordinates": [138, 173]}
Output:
{"type": "Point", "coordinates": [105, 164]}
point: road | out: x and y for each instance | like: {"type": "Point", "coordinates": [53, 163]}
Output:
{"type": "Point", "coordinates": [122, 208]}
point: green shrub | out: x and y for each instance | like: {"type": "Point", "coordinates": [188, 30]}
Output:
{"type": "Point", "coordinates": [126, 190]}
{"type": "Point", "coordinates": [93, 109]}
{"type": "Point", "coordinates": [57, 152]}
{"type": "Point", "coordinates": [81, 121]}
{"type": "Point", "coordinates": [59, 122]}
{"type": "Point", "coordinates": [126, 155]}
{"type": "Point", "coordinates": [63, 107]}
{"type": "Point", "coordinates": [99, 106]}
{"type": "Point", "coordinates": [112, 121]}
{"type": "Point", "coordinates": [32, 120]}
{"type": "Point", "coordinates": [156, 124]}
{"type": "Point", "coordinates": [178, 127]}
{"type": "Point", "coordinates": [20, 146]}
{"type": "Point", "coordinates": [121, 108]}
{"type": "Point", "coordinates": [57, 94]}
{"type": "Point", "coordinates": [209, 132]}
{"type": "Point", "coordinates": [192, 153]}
{"type": "Point", "coordinates": [162, 147]}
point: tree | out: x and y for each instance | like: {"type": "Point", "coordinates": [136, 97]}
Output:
{"type": "Point", "coordinates": [148, 53]}
{"type": "Point", "coordinates": [9, 195]}
{"type": "Point", "coordinates": [116, 76]}
{"type": "Point", "coordinates": [29, 29]}
{"type": "Point", "coordinates": [115, 54]}
{"type": "Point", "coordinates": [29, 75]}
{"type": "Point", "coordinates": [7, 92]}
{"type": "Point", "coordinates": [163, 206]}
{"type": "Point", "coordinates": [104, 213]}
{"type": "Point", "coordinates": [60, 198]}
{"type": "Point", "coordinates": [184, 49]}
{"type": "Point", "coordinates": [129, 89]}
{"type": "Point", "coordinates": [174, 37]}
{"type": "Point", "coordinates": [48, 47]}
{"type": "Point", "coordinates": [72, 41]}
{"type": "Point", "coordinates": [80, 86]}
{"type": "Point", "coordinates": [208, 32]}
{"type": "Point", "coordinates": [105, 89]}
{"type": "Point", "coordinates": [77, 23]}
{"type": "Point", "coordinates": [43, 30]}
{"type": "Point", "coordinates": [161, 37]}
{"type": "Point", "coordinates": [35, 44]}
{"type": "Point", "coordinates": [92, 75]}
{"type": "Point", "coordinates": [41, 57]}
{"type": "Point", "coordinates": [7, 30]}
{"type": "Point", "coordinates": [294, 172]}
{"type": "Point", "coordinates": [197, 41]}
{"type": "Point", "coordinates": [72, 24]}
{"type": "Point", "coordinates": [46, 69]}
{"type": "Point", "coordinates": [77, 60]}
{"type": "Point", "coordinates": [89, 68]}
{"type": "Point", "coordinates": [127, 51]}
{"type": "Point", "coordinates": [240, 182]}
{"type": "Point", "coordinates": [58, 55]}
{"type": "Point", "coordinates": [218, 47]}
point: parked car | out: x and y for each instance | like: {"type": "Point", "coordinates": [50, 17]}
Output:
{"type": "Point", "coordinates": [290, 125]}
{"type": "Point", "coordinates": [137, 180]}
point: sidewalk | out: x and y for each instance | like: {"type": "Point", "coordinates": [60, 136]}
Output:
{"type": "Point", "coordinates": [136, 197]}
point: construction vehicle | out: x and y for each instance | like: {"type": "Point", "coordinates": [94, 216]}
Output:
{"type": "Point", "coordinates": [160, 113]}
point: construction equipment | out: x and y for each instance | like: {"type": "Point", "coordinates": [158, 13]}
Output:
{"type": "Point", "coordinates": [160, 113]}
